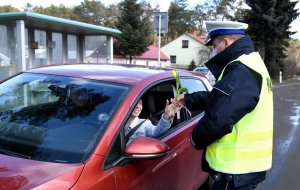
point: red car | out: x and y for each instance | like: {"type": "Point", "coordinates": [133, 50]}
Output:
{"type": "Point", "coordinates": [48, 142]}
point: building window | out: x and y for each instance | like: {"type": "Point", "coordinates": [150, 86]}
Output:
{"type": "Point", "coordinates": [8, 53]}
{"type": "Point", "coordinates": [57, 49]}
{"type": "Point", "coordinates": [96, 50]}
{"type": "Point", "coordinates": [40, 51]}
{"type": "Point", "coordinates": [185, 44]}
{"type": "Point", "coordinates": [173, 58]}
{"type": "Point", "coordinates": [72, 48]}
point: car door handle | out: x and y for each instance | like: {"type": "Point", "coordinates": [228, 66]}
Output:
{"type": "Point", "coordinates": [179, 148]}
{"type": "Point", "coordinates": [164, 162]}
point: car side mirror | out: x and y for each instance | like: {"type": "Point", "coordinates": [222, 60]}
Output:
{"type": "Point", "coordinates": [146, 148]}
{"type": "Point", "coordinates": [142, 148]}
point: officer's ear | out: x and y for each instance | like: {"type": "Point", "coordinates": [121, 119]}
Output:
{"type": "Point", "coordinates": [227, 41]}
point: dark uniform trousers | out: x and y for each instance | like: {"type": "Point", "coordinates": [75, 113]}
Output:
{"type": "Point", "coordinates": [237, 181]}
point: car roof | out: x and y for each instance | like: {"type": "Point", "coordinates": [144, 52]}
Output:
{"type": "Point", "coordinates": [201, 67]}
{"type": "Point", "coordinates": [125, 74]}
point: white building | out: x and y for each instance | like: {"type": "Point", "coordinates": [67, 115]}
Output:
{"type": "Point", "coordinates": [186, 48]}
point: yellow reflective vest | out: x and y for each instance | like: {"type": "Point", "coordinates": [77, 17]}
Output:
{"type": "Point", "coordinates": [248, 148]}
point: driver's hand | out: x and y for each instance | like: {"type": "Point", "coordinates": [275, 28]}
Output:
{"type": "Point", "coordinates": [170, 110]}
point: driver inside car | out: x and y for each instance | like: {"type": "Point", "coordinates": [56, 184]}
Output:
{"type": "Point", "coordinates": [145, 126]}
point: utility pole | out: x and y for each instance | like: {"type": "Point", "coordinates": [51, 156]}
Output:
{"type": "Point", "coordinates": [160, 25]}
{"type": "Point", "coordinates": [159, 38]}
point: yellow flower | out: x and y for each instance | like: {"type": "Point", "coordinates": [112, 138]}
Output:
{"type": "Point", "coordinates": [178, 90]}
{"type": "Point", "coordinates": [174, 73]}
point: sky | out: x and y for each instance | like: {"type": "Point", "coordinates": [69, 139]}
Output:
{"type": "Point", "coordinates": [163, 4]}
{"type": "Point", "coordinates": [296, 24]}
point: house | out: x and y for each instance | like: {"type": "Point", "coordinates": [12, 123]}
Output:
{"type": "Point", "coordinates": [186, 48]}
{"type": "Point", "coordinates": [149, 58]}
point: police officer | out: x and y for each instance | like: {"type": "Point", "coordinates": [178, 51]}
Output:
{"type": "Point", "coordinates": [236, 130]}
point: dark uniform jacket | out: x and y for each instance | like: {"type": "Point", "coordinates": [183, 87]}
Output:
{"type": "Point", "coordinates": [235, 95]}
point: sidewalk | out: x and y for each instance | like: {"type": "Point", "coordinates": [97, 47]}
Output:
{"type": "Point", "coordinates": [294, 80]}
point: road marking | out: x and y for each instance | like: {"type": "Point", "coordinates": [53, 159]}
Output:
{"type": "Point", "coordinates": [284, 85]}
{"type": "Point", "coordinates": [294, 119]}
{"type": "Point", "coordinates": [291, 100]}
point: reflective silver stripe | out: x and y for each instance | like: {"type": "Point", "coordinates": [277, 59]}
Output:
{"type": "Point", "coordinates": [221, 91]}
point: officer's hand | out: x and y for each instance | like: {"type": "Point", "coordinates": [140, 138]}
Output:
{"type": "Point", "coordinates": [180, 100]}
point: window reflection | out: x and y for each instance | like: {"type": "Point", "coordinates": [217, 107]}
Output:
{"type": "Point", "coordinates": [55, 119]}
{"type": "Point", "coordinates": [95, 49]}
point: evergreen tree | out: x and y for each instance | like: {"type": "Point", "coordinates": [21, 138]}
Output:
{"type": "Point", "coordinates": [180, 19]}
{"type": "Point", "coordinates": [285, 13]}
{"type": "Point", "coordinates": [269, 22]}
{"type": "Point", "coordinates": [192, 65]}
{"type": "Point", "coordinates": [136, 30]}
{"type": "Point", "coordinates": [261, 19]}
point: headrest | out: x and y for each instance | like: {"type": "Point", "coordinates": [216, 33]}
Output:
{"type": "Point", "coordinates": [151, 103]}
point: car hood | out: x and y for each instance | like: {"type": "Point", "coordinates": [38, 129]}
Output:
{"type": "Point", "coordinates": [20, 174]}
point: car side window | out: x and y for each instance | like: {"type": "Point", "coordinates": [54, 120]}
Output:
{"type": "Point", "coordinates": [153, 102]}
{"type": "Point", "coordinates": [193, 85]}
{"type": "Point", "coordinates": [115, 152]}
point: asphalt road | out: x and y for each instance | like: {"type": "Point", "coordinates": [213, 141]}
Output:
{"type": "Point", "coordinates": [285, 172]}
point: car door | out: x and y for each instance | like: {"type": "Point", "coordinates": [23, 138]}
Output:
{"type": "Point", "coordinates": [180, 168]}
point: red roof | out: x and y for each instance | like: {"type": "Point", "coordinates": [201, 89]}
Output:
{"type": "Point", "coordinates": [151, 54]}
{"type": "Point", "coordinates": [201, 39]}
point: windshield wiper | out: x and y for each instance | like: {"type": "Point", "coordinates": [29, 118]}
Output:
{"type": "Point", "coordinates": [10, 153]}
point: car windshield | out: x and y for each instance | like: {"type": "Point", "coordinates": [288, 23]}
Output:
{"type": "Point", "coordinates": [55, 118]}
